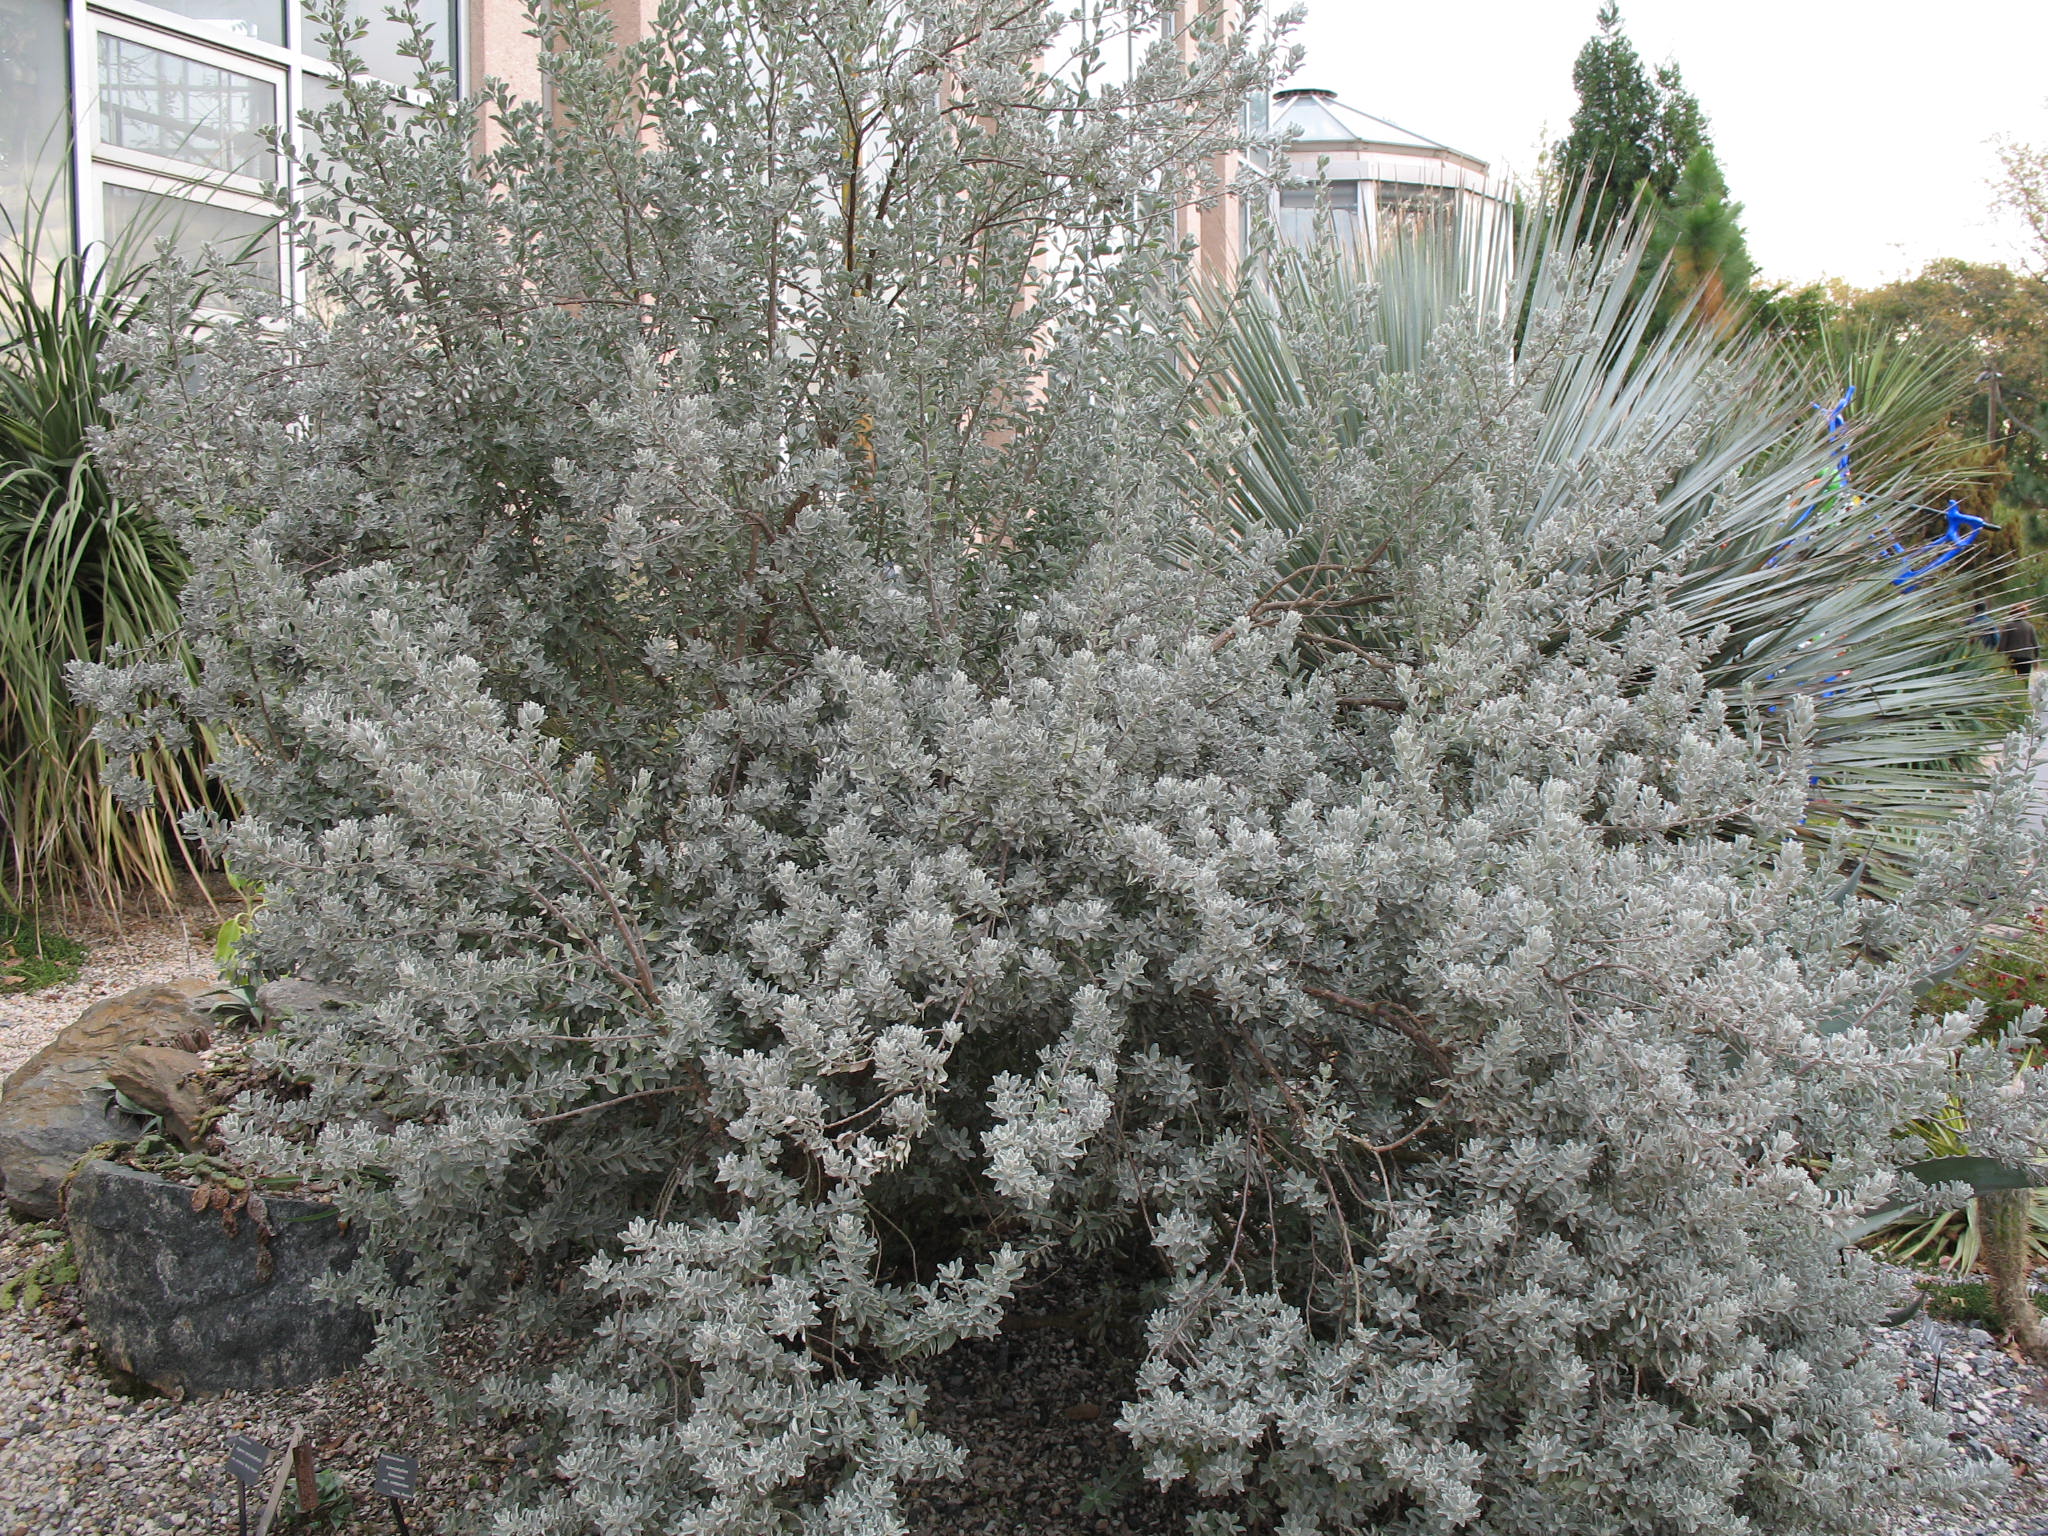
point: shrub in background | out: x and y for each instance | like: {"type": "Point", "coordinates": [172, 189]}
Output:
{"type": "Point", "coordinates": [748, 710]}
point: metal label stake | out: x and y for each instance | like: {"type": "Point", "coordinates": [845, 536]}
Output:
{"type": "Point", "coordinates": [397, 1479]}
{"type": "Point", "coordinates": [247, 1459]}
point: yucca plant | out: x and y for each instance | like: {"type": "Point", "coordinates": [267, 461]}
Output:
{"type": "Point", "coordinates": [1907, 389]}
{"type": "Point", "coordinates": [84, 576]}
{"type": "Point", "coordinates": [1953, 1240]}
{"type": "Point", "coordinates": [1797, 582]}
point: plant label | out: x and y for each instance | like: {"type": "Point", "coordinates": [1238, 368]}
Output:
{"type": "Point", "coordinates": [396, 1477]}
{"type": "Point", "coordinates": [247, 1459]}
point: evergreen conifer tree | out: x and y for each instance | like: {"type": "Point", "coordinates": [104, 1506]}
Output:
{"type": "Point", "coordinates": [1632, 134]}
{"type": "Point", "coordinates": [1638, 145]}
{"type": "Point", "coordinates": [1699, 230]}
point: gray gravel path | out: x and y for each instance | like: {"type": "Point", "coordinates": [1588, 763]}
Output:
{"type": "Point", "coordinates": [1998, 1411]}
{"type": "Point", "coordinates": [79, 1458]}
{"type": "Point", "coordinates": [117, 960]}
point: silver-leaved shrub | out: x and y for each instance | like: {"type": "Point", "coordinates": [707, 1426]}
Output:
{"type": "Point", "coordinates": [725, 679]}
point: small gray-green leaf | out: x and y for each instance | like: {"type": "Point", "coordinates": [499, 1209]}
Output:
{"type": "Point", "coordinates": [1849, 886]}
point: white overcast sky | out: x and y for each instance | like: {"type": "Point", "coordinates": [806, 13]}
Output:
{"type": "Point", "coordinates": [1859, 135]}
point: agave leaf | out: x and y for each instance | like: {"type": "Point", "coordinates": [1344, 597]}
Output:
{"type": "Point", "coordinates": [1788, 578]}
{"type": "Point", "coordinates": [1980, 1173]}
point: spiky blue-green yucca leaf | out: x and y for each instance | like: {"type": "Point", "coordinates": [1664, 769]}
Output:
{"type": "Point", "coordinates": [1304, 371]}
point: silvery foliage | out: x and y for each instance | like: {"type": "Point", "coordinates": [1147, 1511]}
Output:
{"type": "Point", "coordinates": [1777, 572]}
{"type": "Point", "coordinates": [810, 838]}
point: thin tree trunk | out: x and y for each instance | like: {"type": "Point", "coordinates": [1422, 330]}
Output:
{"type": "Point", "coordinates": [2005, 1217]}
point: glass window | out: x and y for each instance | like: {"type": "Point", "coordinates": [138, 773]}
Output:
{"type": "Point", "coordinates": [163, 104]}
{"type": "Point", "coordinates": [1303, 208]}
{"type": "Point", "coordinates": [1407, 208]}
{"type": "Point", "coordinates": [144, 218]}
{"type": "Point", "coordinates": [385, 35]}
{"type": "Point", "coordinates": [1341, 196]}
{"type": "Point", "coordinates": [260, 19]}
{"type": "Point", "coordinates": [316, 94]}
{"type": "Point", "coordinates": [35, 126]}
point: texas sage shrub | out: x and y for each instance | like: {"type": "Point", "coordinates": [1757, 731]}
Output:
{"type": "Point", "coordinates": [814, 818]}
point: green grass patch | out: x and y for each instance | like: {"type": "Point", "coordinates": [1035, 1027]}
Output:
{"type": "Point", "coordinates": [34, 955]}
{"type": "Point", "coordinates": [53, 1268]}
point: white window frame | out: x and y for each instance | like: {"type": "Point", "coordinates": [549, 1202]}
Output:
{"type": "Point", "coordinates": [197, 34]}
{"type": "Point", "coordinates": [283, 67]}
{"type": "Point", "coordinates": [276, 76]}
{"type": "Point", "coordinates": [198, 192]}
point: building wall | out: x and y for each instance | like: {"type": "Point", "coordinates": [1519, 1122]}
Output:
{"type": "Point", "coordinates": [1384, 192]}
{"type": "Point", "coordinates": [162, 107]}
{"type": "Point", "coordinates": [1216, 226]}
{"type": "Point", "coordinates": [500, 50]}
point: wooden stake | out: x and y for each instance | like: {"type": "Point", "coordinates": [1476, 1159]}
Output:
{"type": "Point", "coordinates": [275, 1501]}
{"type": "Point", "coordinates": [302, 1470]}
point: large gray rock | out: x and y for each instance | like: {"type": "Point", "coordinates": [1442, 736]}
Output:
{"type": "Point", "coordinates": [159, 1079]}
{"type": "Point", "coordinates": [55, 1107]}
{"type": "Point", "coordinates": [291, 998]}
{"type": "Point", "coordinates": [172, 1297]}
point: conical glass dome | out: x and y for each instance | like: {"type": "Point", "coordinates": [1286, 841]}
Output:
{"type": "Point", "coordinates": [1359, 179]}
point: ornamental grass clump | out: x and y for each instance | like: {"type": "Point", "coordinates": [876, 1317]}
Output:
{"type": "Point", "coordinates": [85, 575]}
{"type": "Point", "coordinates": [817, 814]}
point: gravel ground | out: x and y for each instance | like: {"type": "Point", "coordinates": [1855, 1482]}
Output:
{"type": "Point", "coordinates": [82, 1454]}
{"type": "Point", "coordinates": [1998, 1410]}
{"type": "Point", "coordinates": [117, 959]}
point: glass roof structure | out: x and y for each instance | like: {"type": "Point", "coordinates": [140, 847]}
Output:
{"type": "Point", "coordinates": [1323, 123]}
